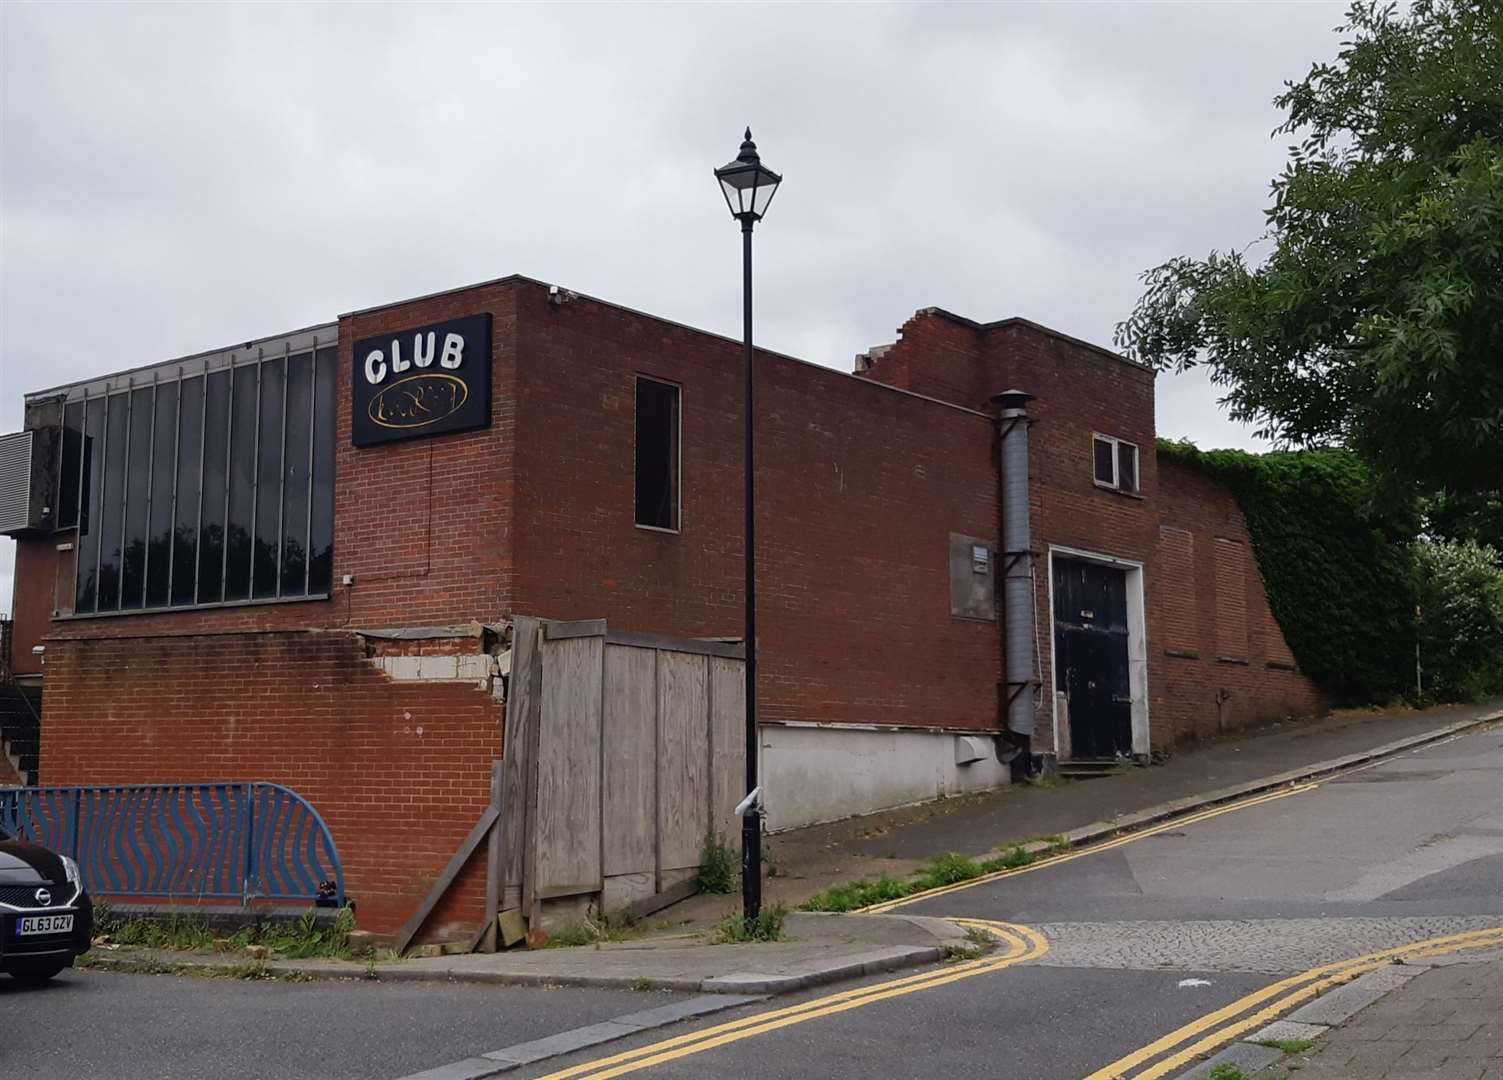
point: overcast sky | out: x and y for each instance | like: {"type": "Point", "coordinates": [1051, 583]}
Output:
{"type": "Point", "coordinates": [174, 178]}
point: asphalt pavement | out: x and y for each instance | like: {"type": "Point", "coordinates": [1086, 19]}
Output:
{"type": "Point", "coordinates": [1143, 935]}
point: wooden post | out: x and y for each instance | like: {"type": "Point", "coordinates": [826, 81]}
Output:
{"type": "Point", "coordinates": [494, 871]}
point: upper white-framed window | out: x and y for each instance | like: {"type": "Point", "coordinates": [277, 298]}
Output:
{"type": "Point", "coordinates": [1115, 462]}
{"type": "Point", "coordinates": [658, 454]}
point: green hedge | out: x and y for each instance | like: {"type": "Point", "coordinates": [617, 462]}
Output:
{"type": "Point", "coordinates": [1337, 561]}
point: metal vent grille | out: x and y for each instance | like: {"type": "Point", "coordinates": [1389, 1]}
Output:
{"type": "Point", "coordinates": [15, 482]}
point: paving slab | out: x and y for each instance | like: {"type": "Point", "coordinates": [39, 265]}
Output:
{"type": "Point", "coordinates": [1442, 1021]}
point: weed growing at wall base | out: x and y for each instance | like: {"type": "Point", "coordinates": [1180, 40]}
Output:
{"type": "Point", "coordinates": [767, 926]}
{"type": "Point", "coordinates": [717, 866]}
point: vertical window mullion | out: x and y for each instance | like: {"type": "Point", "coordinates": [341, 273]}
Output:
{"type": "Point", "coordinates": [177, 437]}
{"type": "Point", "coordinates": [203, 438]}
{"type": "Point", "coordinates": [282, 464]}
{"type": "Point", "coordinates": [104, 488]}
{"type": "Point", "coordinates": [83, 462]}
{"type": "Point", "coordinates": [229, 472]}
{"type": "Point", "coordinates": [250, 573]}
{"type": "Point", "coordinates": [151, 471]}
{"type": "Point", "coordinates": [312, 430]}
{"type": "Point", "coordinates": [130, 420]}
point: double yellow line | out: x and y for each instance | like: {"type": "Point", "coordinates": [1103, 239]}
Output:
{"type": "Point", "coordinates": [1177, 1049]}
{"type": "Point", "coordinates": [1018, 944]}
{"type": "Point", "coordinates": [1093, 849]}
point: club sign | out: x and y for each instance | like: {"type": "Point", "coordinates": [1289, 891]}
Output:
{"type": "Point", "coordinates": [430, 380]}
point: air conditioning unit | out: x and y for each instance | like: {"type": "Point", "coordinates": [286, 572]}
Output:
{"type": "Point", "coordinates": [28, 480]}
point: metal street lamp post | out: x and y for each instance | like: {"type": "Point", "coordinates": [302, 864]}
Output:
{"type": "Point", "coordinates": [748, 187]}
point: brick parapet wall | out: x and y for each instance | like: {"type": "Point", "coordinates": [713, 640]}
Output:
{"type": "Point", "coordinates": [400, 771]}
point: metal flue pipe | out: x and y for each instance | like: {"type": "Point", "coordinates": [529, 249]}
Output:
{"type": "Point", "coordinates": [1017, 565]}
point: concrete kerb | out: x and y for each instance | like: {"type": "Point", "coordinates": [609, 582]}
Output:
{"type": "Point", "coordinates": [1154, 815]}
{"type": "Point", "coordinates": [736, 983]}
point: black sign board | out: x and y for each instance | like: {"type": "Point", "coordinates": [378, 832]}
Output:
{"type": "Point", "coordinates": [430, 380]}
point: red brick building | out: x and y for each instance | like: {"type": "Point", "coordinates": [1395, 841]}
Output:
{"type": "Point", "coordinates": [291, 560]}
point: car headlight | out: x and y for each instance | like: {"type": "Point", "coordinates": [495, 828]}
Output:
{"type": "Point", "coordinates": [70, 868]}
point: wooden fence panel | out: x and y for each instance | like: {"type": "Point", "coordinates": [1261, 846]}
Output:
{"type": "Point", "coordinates": [567, 836]}
{"type": "Point", "coordinates": [683, 759]}
{"type": "Point", "coordinates": [727, 744]}
{"type": "Point", "coordinates": [630, 745]}
{"type": "Point", "coordinates": [524, 689]}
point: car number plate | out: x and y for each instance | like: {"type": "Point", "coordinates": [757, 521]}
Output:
{"type": "Point", "coordinates": [45, 924]}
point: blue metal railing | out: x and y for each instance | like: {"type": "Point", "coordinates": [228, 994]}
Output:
{"type": "Point", "coordinates": [243, 841]}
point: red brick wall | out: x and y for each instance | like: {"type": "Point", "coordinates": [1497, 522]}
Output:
{"type": "Point", "coordinates": [1203, 683]}
{"type": "Point", "coordinates": [1079, 390]}
{"type": "Point", "coordinates": [399, 771]}
{"type": "Point", "coordinates": [1082, 390]}
{"type": "Point", "coordinates": [858, 490]}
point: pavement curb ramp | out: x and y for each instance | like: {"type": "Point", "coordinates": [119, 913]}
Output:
{"type": "Point", "coordinates": [1154, 815]}
{"type": "Point", "coordinates": [1315, 1018]}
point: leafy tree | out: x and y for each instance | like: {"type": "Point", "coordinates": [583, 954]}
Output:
{"type": "Point", "coordinates": [1375, 321]}
{"type": "Point", "coordinates": [1461, 621]}
{"type": "Point", "coordinates": [1472, 516]}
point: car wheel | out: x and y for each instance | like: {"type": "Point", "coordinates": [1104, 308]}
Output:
{"type": "Point", "coordinates": [37, 975]}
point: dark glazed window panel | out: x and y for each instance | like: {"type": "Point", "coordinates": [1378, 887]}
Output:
{"type": "Point", "coordinates": [216, 486]}
{"type": "Point", "coordinates": [295, 475]}
{"type": "Point", "coordinates": [1104, 464]}
{"type": "Point", "coordinates": [159, 518]}
{"type": "Point", "coordinates": [241, 527]}
{"type": "Point", "coordinates": [86, 594]}
{"type": "Point", "coordinates": [189, 477]}
{"type": "Point", "coordinates": [1127, 467]}
{"type": "Point", "coordinates": [68, 473]}
{"type": "Point", "coordinates": [111, 502]}
{"type": "Point", "coordinates": [321, 510]}
{"type": "Point", "coordinates": [137, 491]}
{"type": "Point", "coordinates": [657, 454]}
{"type": "Point", "coordinates": [268, 500]}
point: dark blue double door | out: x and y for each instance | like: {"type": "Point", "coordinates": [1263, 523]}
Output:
{"type": "Point", "coordinates": [1090, 656]}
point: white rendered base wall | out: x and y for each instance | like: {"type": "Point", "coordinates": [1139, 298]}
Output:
{"type": "Point", "coordinates": [815, 774]}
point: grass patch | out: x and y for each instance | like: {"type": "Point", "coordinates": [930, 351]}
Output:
{"type": "Point", "coordinates": [942, 870]}
{"type": "Point", "coordinates": [767, 926]}
{"type": "Point", "coordinates": [297, 940]}
{"type": "Point", "coordinates": [717, 866]}
{"type": "Point", "coordinates": [950, 869]}
{"type": "Point", "coordinates": [1010, 859]}
{"type": "Point", "coordinates": [857, 894]}
{"type": "Point", "coordinates": [1288, 1046]}
{"type": "Point", "coordinates": [1058, 843]}
{"type": "Point", "coordinates": [593, 932]}
{"type": "Point", "coordinates": [1227, 1071]}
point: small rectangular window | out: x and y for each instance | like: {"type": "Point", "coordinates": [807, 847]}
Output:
{"type": "Point", "coordinates": [657, 454]}
{"type": "Point", "coordinates": [1116, 463]}
{"type": "Point", "coordinates": [1105, 467]}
